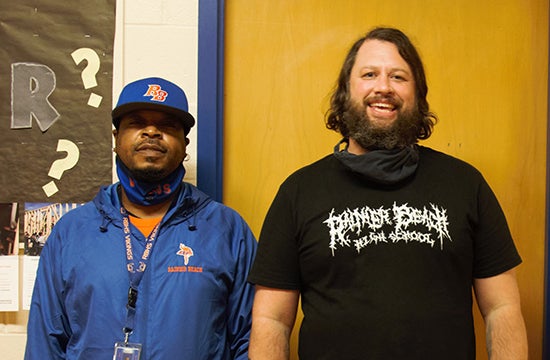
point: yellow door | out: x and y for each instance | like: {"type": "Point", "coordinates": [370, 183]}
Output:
{"type": "Point", "coordinates": [487, 68]}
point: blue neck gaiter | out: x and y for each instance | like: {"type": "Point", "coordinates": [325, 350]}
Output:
{"type": "Point", "coordinates": [149, 193]}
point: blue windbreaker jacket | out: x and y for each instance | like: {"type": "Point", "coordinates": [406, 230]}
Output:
{"type": "Point", "coordinates": [194, 301]}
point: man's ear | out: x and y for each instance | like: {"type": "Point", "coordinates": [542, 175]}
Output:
{"type": "Point", "coordinates": [115, 134]}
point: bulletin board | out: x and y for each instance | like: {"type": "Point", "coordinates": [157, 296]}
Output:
{"type": "Point", "coordinates": [55, 99]}
{"type": "Point", "coordinates": [55, 122]}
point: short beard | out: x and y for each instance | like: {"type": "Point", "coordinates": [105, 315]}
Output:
{"type": "Point", "coordinates": [149, 175]}
{"type": "Point", "coordinates": [401, 133]}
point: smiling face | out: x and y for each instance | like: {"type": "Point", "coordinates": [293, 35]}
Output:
{"type": "Point", "coordinates": [150, 143]}
{"type": "Point", "coordinates": [382, 82]}
{"type": "Point", "coordinates": [381, 111]}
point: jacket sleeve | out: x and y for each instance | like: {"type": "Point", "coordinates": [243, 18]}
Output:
{"type": "Point", "coordinates": [48, 331]}
{"type": "Point", "coordinates": [242, 294]}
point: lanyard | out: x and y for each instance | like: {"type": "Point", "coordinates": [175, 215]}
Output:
{"type": "Point", "coordinates": [135, 270]}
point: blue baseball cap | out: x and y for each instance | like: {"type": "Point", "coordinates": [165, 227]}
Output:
{"type": "Point", "coordinates": [154, 94]}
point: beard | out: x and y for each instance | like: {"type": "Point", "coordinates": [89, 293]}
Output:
{"type": "Point", "coordinates": [399, 134]}
{"type": "Point", "coordinates": [149, 174]}
{"type": "Point", "coordinates": [149, 169]}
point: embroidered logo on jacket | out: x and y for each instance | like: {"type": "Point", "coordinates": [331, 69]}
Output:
{"type": "Point", "coordinates": [361, 227]}
{"type": "Point", "coordinates": [186, 252]}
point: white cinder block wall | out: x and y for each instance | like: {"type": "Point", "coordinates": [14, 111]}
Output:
{"type": "Point", "coordinates": [159, 38]}
{"type": "Point", "coordinates": [153, 38]}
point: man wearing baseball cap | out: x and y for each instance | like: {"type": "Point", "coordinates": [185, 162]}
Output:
{"type": "Point", "coordinates": [152, 268]}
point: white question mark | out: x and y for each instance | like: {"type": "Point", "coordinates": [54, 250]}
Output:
{"type": "Point", "coordinates": [59, 166]}
{"type": "Point", "coordinates": [89, 72]}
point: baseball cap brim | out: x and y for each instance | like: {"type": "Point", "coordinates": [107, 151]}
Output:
{"type": "Point", "coordinates": [188, 121]}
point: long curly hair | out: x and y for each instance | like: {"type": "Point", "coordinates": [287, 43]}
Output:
{"type": "Point", "coordinates": [340, 97]}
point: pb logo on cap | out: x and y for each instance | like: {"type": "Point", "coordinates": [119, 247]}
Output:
{"type": "Point", "coordinates": [156, 93]}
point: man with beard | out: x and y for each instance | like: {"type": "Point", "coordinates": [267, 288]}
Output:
{"type": "Point", "coordinates": [385, 239]}
{"type": "Point", "coordinates": [152, 268]}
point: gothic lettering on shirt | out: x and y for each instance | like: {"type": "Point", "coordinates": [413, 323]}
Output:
{"type": "Point", "coordinates": [364, 226]}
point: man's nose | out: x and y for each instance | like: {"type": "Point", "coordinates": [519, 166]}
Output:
{"type": "Point", "coordinates": [152, 131]}
{"type": "Point", "coordinates": [383, 84]}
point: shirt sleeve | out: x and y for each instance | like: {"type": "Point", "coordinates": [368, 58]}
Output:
{"type": "Point", "coordinates": [48, 330]}
{"type": "Point", "coordinates": [276, 263]}
{"type": "Point", "coordinates": [242, 294]}
{"type": "Point", "coordinates": [495, 251]}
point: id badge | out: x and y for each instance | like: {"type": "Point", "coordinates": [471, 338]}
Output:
{"type": "Point", "coordinates": [127, 351]}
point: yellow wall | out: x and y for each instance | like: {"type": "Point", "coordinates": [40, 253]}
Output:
{"type": "Point", "coordinates": [487, 69]}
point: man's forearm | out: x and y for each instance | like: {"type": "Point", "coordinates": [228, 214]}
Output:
{"type": "Point", "coordinates": [506, 335]}
{"type": "Point", "coordinates": [269, 340]}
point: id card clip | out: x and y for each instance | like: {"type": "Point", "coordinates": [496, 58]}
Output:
{"type": "Point", "coordinates": [127, 351]}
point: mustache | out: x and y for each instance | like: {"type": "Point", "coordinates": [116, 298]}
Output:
{"type": "Point", "coordinates": [388, 98]}
{"type": "Point", "coordinates": [153, 144]}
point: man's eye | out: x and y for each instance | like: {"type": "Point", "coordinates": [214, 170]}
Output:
{"type": "Point", "coordinates": [400, 77]}
{"type": "Point", "coordinates": [170, 125]}
{"type": "Point", "coordinates": [134, 122]}
{"type": "Point", "coordinates": [369, 75]}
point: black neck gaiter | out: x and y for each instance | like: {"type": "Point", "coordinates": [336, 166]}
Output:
{"type": "Point", "coordinates": [380, 166]}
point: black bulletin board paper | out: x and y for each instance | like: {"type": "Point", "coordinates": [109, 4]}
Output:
{"type": "Point", "coordinates": [56, 61]}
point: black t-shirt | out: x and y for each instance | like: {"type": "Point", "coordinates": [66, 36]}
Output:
{"type": "Point", "coordinates": [385, 272]}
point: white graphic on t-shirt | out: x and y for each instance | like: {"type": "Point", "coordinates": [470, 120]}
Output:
{"type": "Point", "coordinates": [361, 227]}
